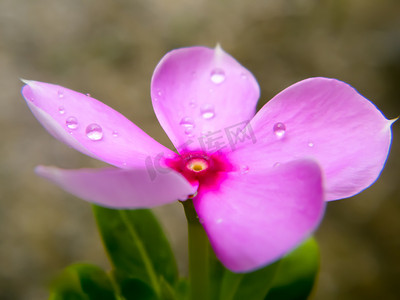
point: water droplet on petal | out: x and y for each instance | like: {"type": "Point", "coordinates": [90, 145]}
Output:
{"type": "Point", "coordinates": [217, 76]}
{"type": "Point", "coordinates": [61, 110]}
{"type": "Point", "coordinates": [243, 75]}
{"type": "Point", "coordinates": [71, 122]}
{"type": "Point", "coordinates": [207, 112]}
{"type": "Point", "coordinates": [192, 103]}
{"type": "Point", "coordinates": [87, 94]}
{"type": "Point", "coordinates": [60, 94]}
{"type": "Point", "coordinates": [279, 130]}
{"type": "Point", "coordinates": [159, 93]}
{"type": "Point", "coordinates": [310, 144]}
{"type": "Point", "coordinates": [219, 221]}
{"type": "Point", "coordinates": [115, 133]}
{"type": "Point", "coordinates": [94, 132]}
{"type": "Point", "coordinates": [188, 124]}
{"type": "Point", "coordinates": [244, 170]}
{"type": "Point", "coordinates": [276, 164]}
{"type": "Point", "coordinates": [188, 131]}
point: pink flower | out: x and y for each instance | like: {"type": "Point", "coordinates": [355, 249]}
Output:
{"type": "Point", "coordinates": [258, 182]}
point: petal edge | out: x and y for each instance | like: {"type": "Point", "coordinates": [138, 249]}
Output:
{"type": "Point", "coordinates": [120, 188]}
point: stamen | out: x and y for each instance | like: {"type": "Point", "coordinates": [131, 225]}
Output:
{"type": "Point", "coordinates": [200, 168]}
{"type": "Point", "coordinates": [197, 164]}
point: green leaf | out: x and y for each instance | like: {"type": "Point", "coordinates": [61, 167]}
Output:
{"type": "Point", "coordinates": [137, 246]}
{"type": "Point", "coordinates": [135, 289]}
{"type": "Point", "coordinates": [292, 277]}
{"type": "Point", "coordinates": [182, 289]}
{"type": "Point", "coordinates": [254, 285]}
{"type": "Point", "coordinates": [167, 291]}
{"type": "Point", "coordinates": [82, 282]}
{"type": "Point", "coordinates": [297, 272]}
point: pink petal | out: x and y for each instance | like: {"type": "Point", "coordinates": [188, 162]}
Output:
{"type": "Point", "coordinates": [200, 90]}
{"type": "Point", "coordinates": [254, 219]}
{"type": "Point", "coordinates": [90, 126]}
{"type": "Point", "coordinates": [120, 188]}
{"type": "Point", "coordinates": [326, 120]}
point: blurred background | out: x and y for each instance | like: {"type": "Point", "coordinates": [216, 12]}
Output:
{"type": "Point", "coordinates": [110, 48]}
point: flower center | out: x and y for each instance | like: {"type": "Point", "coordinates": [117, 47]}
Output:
{"type": "Point", "coordinates": [201, 168]}
{"type": "Point", "coordinates": [197, 164]}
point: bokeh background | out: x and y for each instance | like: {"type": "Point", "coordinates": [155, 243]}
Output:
{"type": "Point", "coordinates": [110, 48]}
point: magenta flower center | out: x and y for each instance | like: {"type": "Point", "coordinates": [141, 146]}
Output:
{"type": "Point", "coordinates": [200, 167]}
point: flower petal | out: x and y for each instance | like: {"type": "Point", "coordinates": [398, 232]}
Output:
{"type": "Point", "coordinates": [90, 126]}
{"type": "Point", "coordinates": [199, 90]}
{"type": "Point", "coordinates": [326, 120]}
{"type": "Point", "coordinates": [254, 219]}
{"type": "Point", "coordinates": [120, 188]}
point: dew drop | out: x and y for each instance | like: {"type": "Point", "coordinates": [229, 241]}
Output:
{"type": "Point", "coordinates": [192, 103]}
{"type": "Point", "coordinates": [244, 170]}
{"type": "Point", "coordinates": [310, 144]}
{"type": "Point", "coordinates": [243, 75]}
{"type": "Point", "coordinates": [87, 94]}
{"type": "Point", "coordinates": [71, 122]}
{"type": "Point", "coordinates": [188, 124]}
{"type": "Point", "coordinates": [207, 112]}
{"type": "Point", "coordinates": [94, 132]}
{"type": "Point", "coordinates": [279, 130]}
{"type": "Point", "coordinates": [115, 133]}
{"type": "Point", "coordinates": [159, 93]}
{"type": "Point", "coordinates": [61, 110]}
{"type": "Point", "coordinates": [217, 76]}
{"type": "Point", "coordinates": [189, 130]}
{"type": "Point", "coordinates": [276, 164]}
{"type": "Point", "coordinates": [60, 94]}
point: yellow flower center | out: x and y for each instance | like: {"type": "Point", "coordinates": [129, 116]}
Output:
{"type": "Point", "coordinates": [197, 164]}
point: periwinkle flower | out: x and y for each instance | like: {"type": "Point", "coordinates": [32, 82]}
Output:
{"type": "Point", "coordinates": [258, 182]}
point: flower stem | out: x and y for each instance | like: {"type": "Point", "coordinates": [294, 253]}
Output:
{"type": "Point", "coordinates": [198, 255]}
